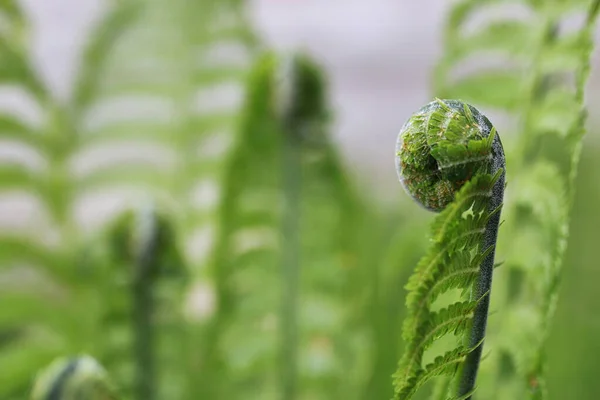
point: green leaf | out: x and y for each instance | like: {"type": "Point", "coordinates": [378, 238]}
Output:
{"type": "Point", "coordinates": [97, 52]}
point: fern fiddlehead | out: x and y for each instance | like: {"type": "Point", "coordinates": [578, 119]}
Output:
{"type": "Point", "coordinates": [450, 160]}
{"type": "Point", "coordinates": [548, 60]}
{"type": "Point", "coordinates": [70, 379]}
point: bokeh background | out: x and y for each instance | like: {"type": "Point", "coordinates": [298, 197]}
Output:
{"type": "Point", "coordinates": [378, 56]}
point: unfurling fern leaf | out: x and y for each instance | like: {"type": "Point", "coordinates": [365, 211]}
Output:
{"type": "Point", "coordinates": [79, 378]}
{"type": "Point", "coordinates": [450, 159]}
{"type": "Point", "coordinates": [142, 330]}
{"type": "Point", "coordinates": [286, 216]}
{"type": "Point", "coordinates": [541, 60]}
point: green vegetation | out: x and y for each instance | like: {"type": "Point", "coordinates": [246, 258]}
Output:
{"type": "Point", "coordinates": [249, 264]}
{"type": "Point", "coordinates": [449, 143]}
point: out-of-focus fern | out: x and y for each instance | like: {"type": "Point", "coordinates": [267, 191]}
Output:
{"type": "Point", "coordinates": [540, 65]}
{"type": "Point", "coordinates": [179, 72]}
{"type": "Point", "coordinates": [142, 327]}
{"type": "Point", "coordinates": [393, 250]}
{"type": "Point", "coordinates": [71, 379]}
{"type": "Point", "coordinates": [48, 313]}
{"type": "Point", "coordinates": [142, 53]}
{"type": "Point", "coordinates": [283, 127]}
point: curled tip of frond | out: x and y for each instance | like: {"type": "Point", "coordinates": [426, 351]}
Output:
{"type": "Point", "coordinates": [78, 378]}
{"type": "Point", "coordinates": [440, 148]}
{"type": "Point", "coordinates": [299, 93]}
{"type": "Point", "coordinates": [144, 237]}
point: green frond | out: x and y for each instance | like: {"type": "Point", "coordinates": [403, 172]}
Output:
{"type": "Point", "coordinates": [141, 275]}
{"type": "Point", "coordinates": [19, 249]}
{"type": "Point", "coordinates": [16, 177]}
{"type": "Point", "coordinates": [97, 51]}
{"type": "Point", "coordinates": [145, 175]}
{"type": "Point", "coordinates": [15, 69]}
{"type": "Point", "coordinates": [284, 167]}
{"type": "Point", "coordinates": [537, 75]}
{"type": "Point", "coordinates": [453, 319]}
{"type": "Point", "coordinates": [164, 63]}
{"type": "Point", "coordinates": [453, 262]}
{"type": "Point", "coordinates": [21, 359]}
{"type": "Point", "coordinates": [52, 310]}
{"type": "Point", "coordinates": [453, 234]}
{"type": "Point", "coordinates": [14, 128]}
{"type": "Point", "coordinates": [449, 363]}
{"type": "Point", "coordinates": [32, 309]}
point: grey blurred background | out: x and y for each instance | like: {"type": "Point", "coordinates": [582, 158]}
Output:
{"type": "Point", "coordinates": [378, 53]}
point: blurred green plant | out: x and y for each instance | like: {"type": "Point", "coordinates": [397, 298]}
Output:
{"type": "Point", "coordinates": [47, 316]}
{"type": "Point", "coordinates": [55, 309]}
{"type": "Point", "coordinates": [543, 88]}
{"type": "Point", "coordinates": [80, 378]}
{"type": "Point", "coordinates": [143, 277]}
{"type": "Point", "coordinates": [251, 208]}
{"type": "Point", "coordinates": [287, 203]}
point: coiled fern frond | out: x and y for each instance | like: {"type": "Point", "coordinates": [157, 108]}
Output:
{"type": "Point", "coordinates": [529, 61]}
{"type": "Point", "coordinates": [450, 159]}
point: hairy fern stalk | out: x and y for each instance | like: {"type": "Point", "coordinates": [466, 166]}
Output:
{"type": "Point", "coordinates": [450, 159]}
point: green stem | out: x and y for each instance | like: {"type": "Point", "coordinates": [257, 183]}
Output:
{"type": "Point", "coordinates": [290, 263]}
{"type": "Point", "coordinates": [143, 308]}
{"type": "Point", "coordinates": [290, 267]}
{"type": "Point", "coordinates": [484, 284]}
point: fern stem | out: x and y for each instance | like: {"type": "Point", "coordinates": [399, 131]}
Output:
{"type": "Point", "coordinates": [290, 263]}
{"type": "Point", "coordinates": [143, 308]}
{"type": "Point", "coordinates": [290, 230]}
{"type": "Point", "coordinates": [484, 283]}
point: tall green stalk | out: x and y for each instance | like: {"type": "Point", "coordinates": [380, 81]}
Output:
{"type": "Point", "coordinates": [290, 267]}
{"type": "Point", "coordinates": [144, 273]}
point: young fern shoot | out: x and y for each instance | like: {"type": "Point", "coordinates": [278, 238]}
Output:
{"type": "Point", "coordinates": [141, 247]}
{"type": "Point", "coordinates": [450, 160]}
{"type": "Point", "coordinates": [73, 378]}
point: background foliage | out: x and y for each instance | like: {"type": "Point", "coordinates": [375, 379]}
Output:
{"type": "Point", "coordinates": [206, 173]}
